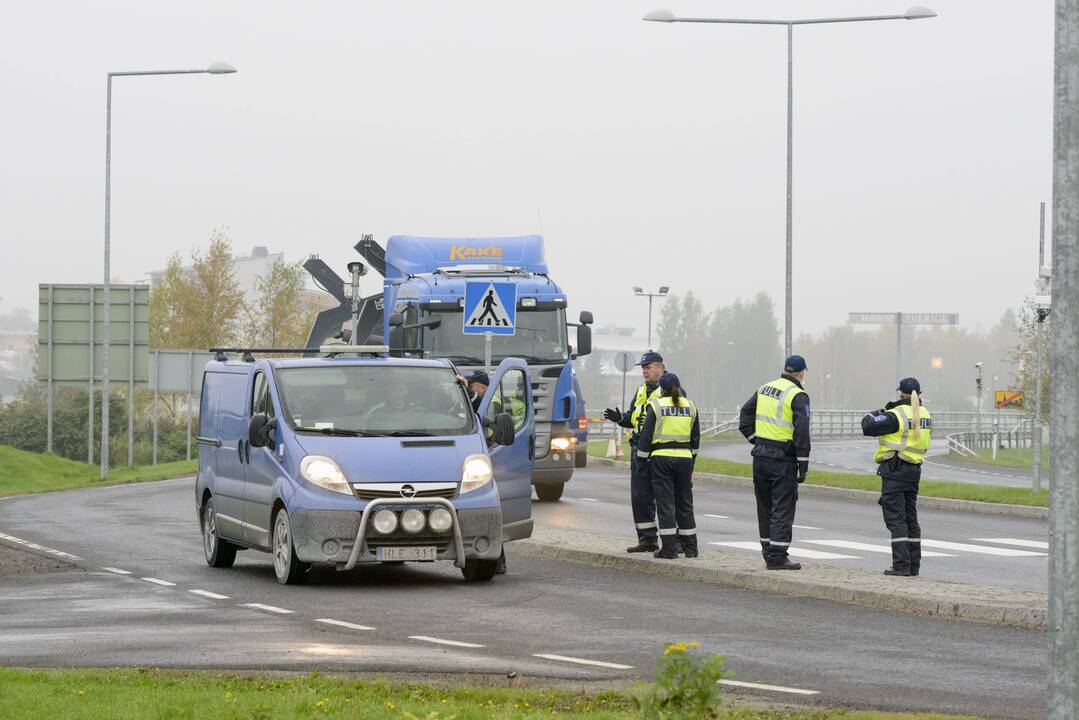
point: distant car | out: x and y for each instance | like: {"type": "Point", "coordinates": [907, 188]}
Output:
{"type": "Point", "coordinates": [581, 432]}
{"type": "Point", "coordinates": [354, 459]}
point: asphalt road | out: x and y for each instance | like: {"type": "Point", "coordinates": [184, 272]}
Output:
{"type": "Point", "coordinates": [971, 548]}
{"type": "Point", "coordinates": [855, 455]}
{"type": "Point", "coordinates": [571, 613]}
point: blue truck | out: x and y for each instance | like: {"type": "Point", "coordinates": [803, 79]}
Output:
{"type": "Point", "coordinates": [422, 304]}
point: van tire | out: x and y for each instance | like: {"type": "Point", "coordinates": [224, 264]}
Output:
{"type": "Point", "coordinates": [550, 492]}
{"type": "Point", "coordinates": [219, 553]}
{"type": "Point", "coordinates": [288, 568]}
{"type": "Point", "coordinates": [479, 570]}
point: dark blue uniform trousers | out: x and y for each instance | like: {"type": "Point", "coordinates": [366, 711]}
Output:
{"type": "Point", "coordinates": [775, 485]}
{"type": "Point", "coordinates": [642, 499]}
{"type": "Point", "coordinates": [899, 502]}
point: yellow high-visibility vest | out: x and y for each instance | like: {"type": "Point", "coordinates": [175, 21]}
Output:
{"type": "Point", "coordinates": [640, 401]}
{"type": "Point", "coordinates": [775, 413]}
{"type": "Point", "coordinates": [674, 424]}
{"type": "Point", "coordinates": [902, 442]}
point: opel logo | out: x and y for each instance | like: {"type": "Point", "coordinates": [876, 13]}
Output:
{"type": "Point", "coordinates": [407, 491]}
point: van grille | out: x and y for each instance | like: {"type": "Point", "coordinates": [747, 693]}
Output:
{"type": "Point", "coordinates": [375, 491]}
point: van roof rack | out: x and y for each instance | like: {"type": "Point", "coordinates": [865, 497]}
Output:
{"type": "Point", "coordinates": [248, 354]}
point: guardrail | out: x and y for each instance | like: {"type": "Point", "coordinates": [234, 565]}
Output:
{"type": "Point", "coordinates": [1020, 435]}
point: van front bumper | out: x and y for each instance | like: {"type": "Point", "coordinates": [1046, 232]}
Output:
{"type": "Point", "coordinates": [347, 538]}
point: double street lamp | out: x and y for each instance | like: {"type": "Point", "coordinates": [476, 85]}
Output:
{"type": "Point", "coordinates": [217, 68]}
{"type": "Point", "coordinates": [666, 16]}
{"type": "Point", "coordinates": [639, 292]}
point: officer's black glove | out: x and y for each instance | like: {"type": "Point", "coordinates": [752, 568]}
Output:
{"type": "Point", "coordinates": [803, 470]}
{"type": "Point", "coordinates": [613, 414]}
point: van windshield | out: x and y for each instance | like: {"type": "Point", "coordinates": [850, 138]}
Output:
{"type": "Point", "coordinates": [375, 400]}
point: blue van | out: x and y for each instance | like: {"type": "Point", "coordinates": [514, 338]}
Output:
{"type": "Point", "coordinates": [360, 458]}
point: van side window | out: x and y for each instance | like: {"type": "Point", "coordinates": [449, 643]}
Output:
{"type": "Point", "coordinates": [261, 401]}
{"type": "Point", "coordinates": [510, 395]}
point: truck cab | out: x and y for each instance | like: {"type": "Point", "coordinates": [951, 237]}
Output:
{"type": "Point", "coordinates": [357, 457]}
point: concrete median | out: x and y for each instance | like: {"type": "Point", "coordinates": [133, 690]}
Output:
{"type": "Point", "coordinates": [920, 595]}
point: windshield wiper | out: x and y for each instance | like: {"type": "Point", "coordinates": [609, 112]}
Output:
{"type": "Point", "coordinates": [409, 433]}
{"type": "Point", "coordinates": [339, 432]}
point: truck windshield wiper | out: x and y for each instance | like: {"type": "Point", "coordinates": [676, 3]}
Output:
{"type": "Point", "coordinates": [339, 432]}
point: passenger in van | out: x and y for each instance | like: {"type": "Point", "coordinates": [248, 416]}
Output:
{"type": "Point", "coordinates": [396, 399]}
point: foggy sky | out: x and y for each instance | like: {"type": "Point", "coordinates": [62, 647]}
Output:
{"type": "Point", "coordinates": [646, 154]}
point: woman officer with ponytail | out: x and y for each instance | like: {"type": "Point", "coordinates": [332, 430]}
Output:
{"type": "Point", "coordinates": [902, 430]}
{"type": "Point", "coordinates": [669, 440]}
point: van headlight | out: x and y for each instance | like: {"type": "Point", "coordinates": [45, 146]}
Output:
{"type": "Point", "coordinates": [476, 472]}
{"type": "Point", "coordinates": [325, 473]}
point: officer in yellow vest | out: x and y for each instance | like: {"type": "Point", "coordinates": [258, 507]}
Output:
{"type": "Point", "coordinates": [670, 437]}
{"type": "Point", "coordinates": [641, 497]}
{"type": "Point", "coordinates": [776, 420]}
{"type": "Point", "coordinates": [902, 428]}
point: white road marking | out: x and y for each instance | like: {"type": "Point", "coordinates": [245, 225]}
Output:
{"type": "Point", "coordinates": [208, 594]}
{"type": "Point", "coordinates": [718, 517]}
{"type": "Point", "coordinates": [118, 571]}
{"type": "Point", "coordinates": [589, 499]}
{"type": "Point", "coordinates": [805, 527]}
{"type": "Point", "coordinates": [35, 546]}
{"type": "Point", "coordinates": [267, 608]}
{"type": "Point", "coordinates": [440, 641]}
{"type": "Point", "coordinates": [771, 688]}
{"type": "Point", "coordinates": [581, 661]}
{"type": "Point", "coordinates": [981, 549]}
{"type": "Point", "coordinates": [884, 549]}
{"type": "Point", "coordinates": [163, 583]}
{"type": "Point", "coordinates": [1016, 541]}
{"type": "Point", "coordinates": [342, 623]}
{"type": "Point", "coordinates": [793, 552]}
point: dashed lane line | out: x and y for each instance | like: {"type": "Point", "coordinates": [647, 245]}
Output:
{"type": "Point", "coordinates": [805, 527]}
{"type": "Point", "coordinates": [116, 571]}
{"type": "Point", "coordinates": [582, 661]}
{"type": "Point", "coordinates": [1039, 544]}
{"type": "Point", "coordinates": [440, 641]}
{"type": "Point", "coordinates": [267, 608]}
{"type": "Point", "coordinates": [156, 581]}
{"type": "Point", "coordinates": [770, 688]}
{"type": "Point", "coordinates": [208, 594]}
{"type": "Point", "coordinates": [35, 546]}
{"type": "Point", "coordinates": [342, 623]}
{"type": "Point", "coordinates": [589, 499]}
{"type": "Point", "coordinates": [718, 517]}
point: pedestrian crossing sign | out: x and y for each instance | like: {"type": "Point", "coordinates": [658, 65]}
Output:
{"type": "Point", "coordinates": [490, 307]}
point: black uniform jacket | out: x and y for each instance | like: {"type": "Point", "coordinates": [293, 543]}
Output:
{"type": "Point", "coordinates": [798, 448]}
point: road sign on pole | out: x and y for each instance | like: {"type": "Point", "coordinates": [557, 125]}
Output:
{"type": "Point", "coordinates": [624, 362]}
{"type": "Point", "coordinates": [490, 307]}
{"type": "Point", "coordinates": [900, 319]}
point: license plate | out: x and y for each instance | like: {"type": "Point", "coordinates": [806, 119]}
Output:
{"type": "Point", "coordinates": [406, 553]}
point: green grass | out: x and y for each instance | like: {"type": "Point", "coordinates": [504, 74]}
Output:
{"type": "Point", "coordinates": [1006, 457]}
{"type": "Point", "coordinates": [26, 472]}
{"type": "Point", "coordinates": [854, 481]}
{"type": "Point", "coordinates": [123, 694]}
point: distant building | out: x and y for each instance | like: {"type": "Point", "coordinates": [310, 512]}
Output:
{"type": "Point", "coordinates": [16, 361]}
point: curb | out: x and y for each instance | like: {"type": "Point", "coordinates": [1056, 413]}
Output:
{"type": "Point", "coordinates": [924, 502]}
{"type": "Point", "coordinates": [957, 601]}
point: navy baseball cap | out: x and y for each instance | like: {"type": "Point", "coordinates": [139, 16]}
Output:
{"type": "Point", "coordinates": [650, 357]}
{"type": "Point", "coordinates": [478, 376]}
{"type": "Point", "coordinates": [668, 381]}
{"type": "Point", "coordinates": [909, 385]}
{"type": "Point", "coordinates": [795, 363]}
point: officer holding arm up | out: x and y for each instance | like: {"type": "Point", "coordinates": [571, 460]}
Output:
{"type": "Point", "coordinates": [776, 420]}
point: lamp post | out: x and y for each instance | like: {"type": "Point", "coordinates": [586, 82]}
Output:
{"type": "Point", "coordinates": [217, 68]}
{"type": "Point", "coordinates": [666, 16]}
{"type": "Point", "coordinates": [639, 292]}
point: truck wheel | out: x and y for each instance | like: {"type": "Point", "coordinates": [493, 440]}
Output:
{"type": "Point", "coordinates": [550, 493]}
{"type": "Point", "coordinates": [219, 553]}
{"type": "Point", "coordinates": [289, 569]}
{"type": "Point", "coordinates": [581, 459]}
{"type": "Point", "coordinates": [479, 570]}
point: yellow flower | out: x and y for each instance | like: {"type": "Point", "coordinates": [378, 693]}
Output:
{"type": "Point", "coordinates": [680, 647]}
{"type": "Point", "coordinates": [322, 703]}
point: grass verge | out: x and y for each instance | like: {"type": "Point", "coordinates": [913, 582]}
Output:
{"type": "Point", "coordinates": [26, 472]}
{"type": "Point", "coordinates": [123, 694]}
{"type": "Point", "coordinates": [853, 481]}
{"type": "Point", "coordinates": [1006, 457]}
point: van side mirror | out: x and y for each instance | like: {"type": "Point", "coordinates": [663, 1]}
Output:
{"type": "Point", "coordinates": [584, 339]}
{"type": "Point", "coordinates": [503, 432]}
{"type": "Point", "coordinates": [260, 431]}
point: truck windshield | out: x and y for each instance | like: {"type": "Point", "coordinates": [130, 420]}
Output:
{"type": "Point", "coordinates": [540, 338]}
{"type": "Point", "coordinates": [375, 400]}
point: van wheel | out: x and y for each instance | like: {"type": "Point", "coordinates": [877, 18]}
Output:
{"type": "Point", "coordinates": [479, 570]}
{"type": "Point", "coordinates": [550, 493]}
{"type": "Point", "coordinates": [219, 553]}
{"type": "Point", "coordinates": [289, 569]}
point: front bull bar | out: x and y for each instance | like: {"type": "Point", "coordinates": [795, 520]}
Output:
{"type": "Point", "coordinates": [360, 546]}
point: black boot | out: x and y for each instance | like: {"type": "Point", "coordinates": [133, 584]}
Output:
{"type": "Point", "coordinates": [669, 551]}
{"type": "Point", "coordinates": [689, 545]}
{"type": "Point", "coordinates": [784, 564]}
{"type": "Point", "coordinates": [914, 570]}
{"type": "Point", "coordinates": [901, 572]}
{"type": "Point", "coordinates": [646, 545]}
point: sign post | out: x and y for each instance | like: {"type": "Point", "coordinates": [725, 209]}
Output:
{"type": "Point", "coordinates": [900, 319]}
{"type": "Point", "coordinates": [623, 361]}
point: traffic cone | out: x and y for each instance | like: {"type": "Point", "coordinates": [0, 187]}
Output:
{"type": "Point", "coordinates": [613, 446]}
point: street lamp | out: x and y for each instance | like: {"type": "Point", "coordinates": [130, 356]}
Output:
{"type": "Point", "coordinates": [215, 68]}
{"type": "Point", "coordinates": [666, 16]}
{"type": "Point", "coordinates": [662, 292]}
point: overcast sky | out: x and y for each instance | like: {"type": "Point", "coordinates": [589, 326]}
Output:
{"type": "Point", "coordinates": [646, 154]}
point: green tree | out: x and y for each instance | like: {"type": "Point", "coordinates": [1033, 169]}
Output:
{"type": "Point", "coordinates": [279, 317]}
{"type": "Point", "coordinates": [172, 304]}
{"type": "Point", "coordinates": [219, 300]}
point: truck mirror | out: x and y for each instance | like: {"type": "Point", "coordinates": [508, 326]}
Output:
{"type": "Point", "coordinates": [396, 320]}
{"type": "Point", "coordinates": [584, 339]}
{"type": "Point", "coordinates": [586, 317]}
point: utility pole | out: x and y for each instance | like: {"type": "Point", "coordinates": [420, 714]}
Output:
{"type": "Point", "coordinates": [1063, 619]}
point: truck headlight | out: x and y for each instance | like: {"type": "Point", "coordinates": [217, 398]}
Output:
{"type": "Point", "coordinates": [476, 472]}
{"type": "Point", "coordinates": [413, 520]}
{"type": "Point", "coordinates": [561, 444]}
{"type": "Point", "coordinates": [385, 521]}
{"type": "Point", "coordinates": [440, 520]}
{"type": "Point", "coordinates": [325, 473]}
